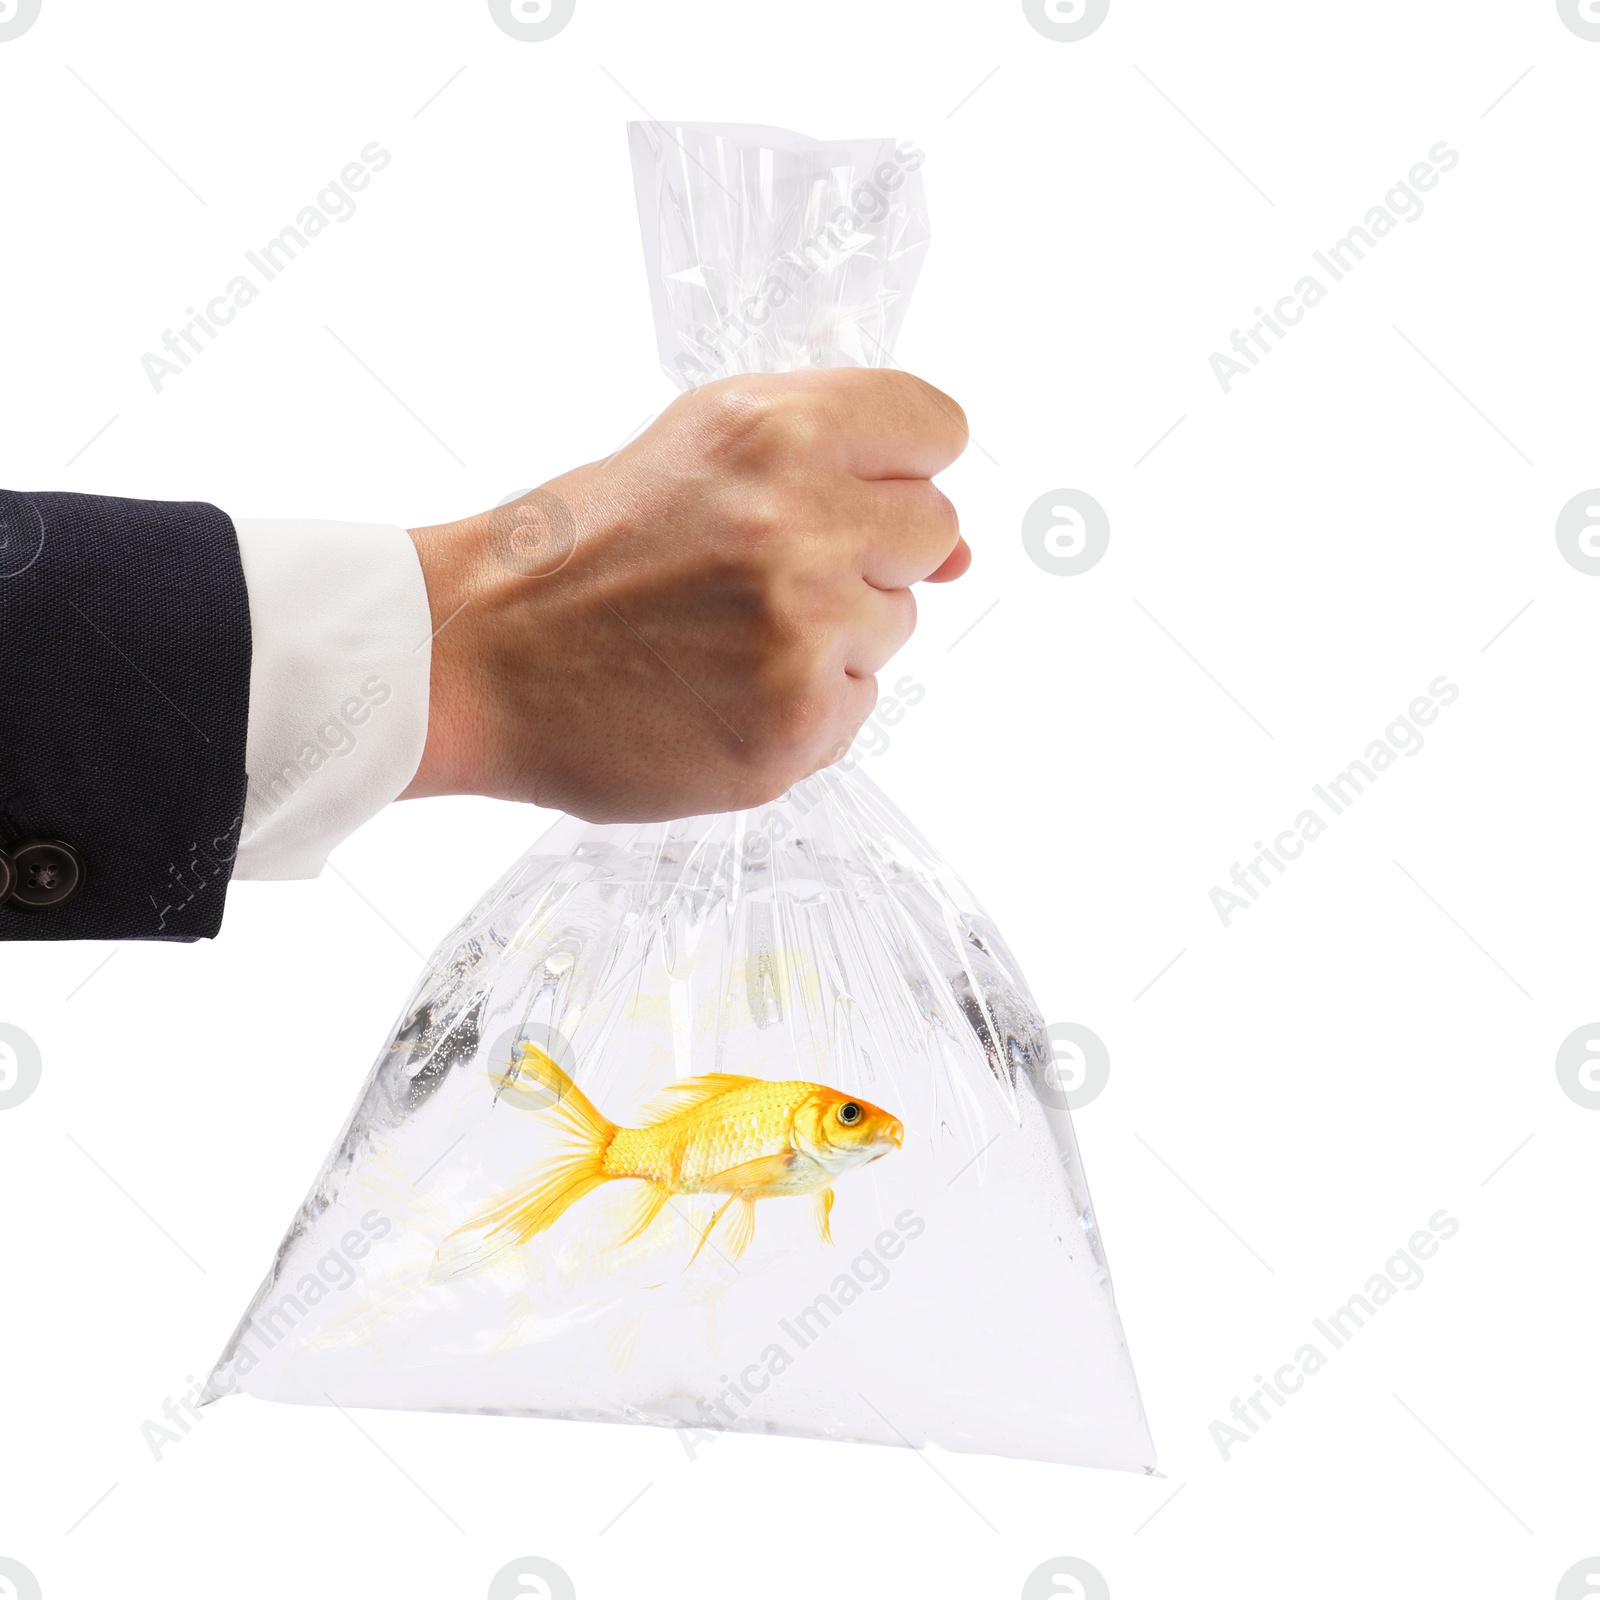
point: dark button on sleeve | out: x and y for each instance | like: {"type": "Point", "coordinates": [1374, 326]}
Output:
{"type": "Point", "coordinates": [124, 708]}
{"type": "Point", "coordinates": [45, 873]}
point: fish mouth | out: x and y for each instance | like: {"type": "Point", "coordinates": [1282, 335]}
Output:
{"type": "Point", "coordinates": [894, 1133]}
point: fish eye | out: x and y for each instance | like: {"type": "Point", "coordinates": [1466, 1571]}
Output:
{"type": "Point", "coordinates": [849, 1112]}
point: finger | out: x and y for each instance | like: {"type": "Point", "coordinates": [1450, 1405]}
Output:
{"type": "Point", "coordinates": [860, 697]}
{"type": "Point", "coordinates": [882, 621]}
{"type": "Point", "coordinates": [908, 530]}
{"type": "Point", "coordinates": [955, 564]}
{"type": "Point", "coordinates": [888, 424]}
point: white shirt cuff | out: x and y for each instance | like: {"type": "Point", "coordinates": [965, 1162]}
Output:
{"type": "Point", "coordinates": [339, 656]}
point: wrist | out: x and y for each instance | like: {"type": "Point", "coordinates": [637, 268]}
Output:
{"type": "Point", "coordinates": [451, 757]}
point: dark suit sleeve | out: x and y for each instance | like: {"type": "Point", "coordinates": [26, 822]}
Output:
{"type": "Point", "coordinates": [124, 700]}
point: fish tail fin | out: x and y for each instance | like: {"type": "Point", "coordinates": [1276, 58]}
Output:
{"type": "Point", "coordinates": [515, 1217]}
{"type": "Point", "coordinates": [530, 1211]}
{"type": "Point", "coordinates": [537, 1083]}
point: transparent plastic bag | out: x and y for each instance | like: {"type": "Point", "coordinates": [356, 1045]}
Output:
{"type": "Point", "coordinates": [768, 252]}
{"type": "Point", "coordinates": [739, 1122]}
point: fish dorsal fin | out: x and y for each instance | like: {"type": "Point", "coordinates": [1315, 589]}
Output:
{"type": "Point", "coordinates": [687, 1093]}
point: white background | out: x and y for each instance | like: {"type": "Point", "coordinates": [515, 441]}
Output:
{"type": "Point", "coordinates": [1289, 1101]}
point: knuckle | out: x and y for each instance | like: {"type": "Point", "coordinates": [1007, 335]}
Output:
{"type": "Point", "coordinates": [906, 618]}
{"type": "Point", "coordinates": [954, 413]}
{"type": "Point", "coordinates": [950, 414]}
{"type": "Point", "coordinates": [744, 417]}
{"type": "Point", "coordinates": [793, 692]}
{"type": "Point", "coordinates": [941, 514]}
{"type": "Point", "coordinates": [761, 423]}
{"type": "Point", "coordinates": [937, 418]}
{"type": "Point", "coordinates": [758, 518]}
{"type": "Point", "coordinates": [731, 413]}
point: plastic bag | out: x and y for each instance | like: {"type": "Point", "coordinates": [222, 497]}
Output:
{"type": "Point", "coordinates": [739, 1122]}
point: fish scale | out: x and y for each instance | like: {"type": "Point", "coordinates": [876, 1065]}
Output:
{"type": "Point", "coordinates": [684, 1149]}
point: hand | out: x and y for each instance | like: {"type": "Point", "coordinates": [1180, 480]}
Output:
{"type": "Point", "coordinates": [693, 624]}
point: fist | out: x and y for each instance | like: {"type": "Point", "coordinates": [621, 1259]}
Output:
{"type": "Point", "coordinates": [695, 623]}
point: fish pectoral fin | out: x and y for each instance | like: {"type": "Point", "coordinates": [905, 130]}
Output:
{"type": "Point", "coordinates": [764, 1175]}
{"type": "Point", "coordinates": [746, 1183]}
{"type": "Point", "coordinates": [742, 1229]}
{"type": "Point", "coordinates": [644, 1208]}
{"type": "Point", "coordinates": [822, 1206]}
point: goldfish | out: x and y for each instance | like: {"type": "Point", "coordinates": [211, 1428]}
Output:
{"type": "Point", "coordinates": [746, 1139]}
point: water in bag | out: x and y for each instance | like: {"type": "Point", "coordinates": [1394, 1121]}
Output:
{"type": "Point", "coordinates": [738, 1122]}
